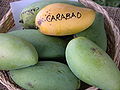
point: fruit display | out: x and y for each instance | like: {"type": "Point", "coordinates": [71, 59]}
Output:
{"type": "Point", "coordinates": [62, 45]}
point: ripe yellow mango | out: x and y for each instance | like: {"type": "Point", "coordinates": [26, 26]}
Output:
{"type": "Point", "coordinates": [61, 19]}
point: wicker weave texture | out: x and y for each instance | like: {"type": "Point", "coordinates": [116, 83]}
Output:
{"type": "Point", "coordinates": [5, 6]}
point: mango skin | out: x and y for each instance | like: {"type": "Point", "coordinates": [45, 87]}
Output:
{"type": "Point", "coordinates": [28, 14]}
{"type": "Point", "coordinates": [46, 46]}
{"type": "Point", "coordinates": [60, 19]}
{"type": "Point", "coordinates": [46, 75]}
{"type": "Point", "coordinates": [16, 53]}
{"type": "Point", "coordinates": [92, 65]}
{"type": "Point", "coordinates": [96, 32]}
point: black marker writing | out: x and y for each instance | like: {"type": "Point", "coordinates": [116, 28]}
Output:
{"type": "Point", "coordinates": [59, 17]}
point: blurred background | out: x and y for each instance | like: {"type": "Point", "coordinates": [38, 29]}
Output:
{"type": "Point", "coordinates": [112, 3]}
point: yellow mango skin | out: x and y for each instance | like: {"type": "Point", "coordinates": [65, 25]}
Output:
{"type": "Point", "coordinates": [61, 19]}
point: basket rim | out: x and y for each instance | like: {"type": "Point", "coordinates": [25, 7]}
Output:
{"type": "Point", "coordinates": [2, 21]}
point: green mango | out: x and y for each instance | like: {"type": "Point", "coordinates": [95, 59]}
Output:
{"type": "Point", "coordinates": [96, 32]}
{"type": "Point", "coordinates": [46, 46]}
{"type": "Point", "coordinates": [92, 65]}
{"type": "Point", "coordinates": [28, 14]}
{"type": "Point", "coordinates": [46, 75]}
{"type": "Point", "coordinates": [16, 53]}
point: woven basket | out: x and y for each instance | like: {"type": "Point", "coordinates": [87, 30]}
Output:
{"type": "Point", "coordinates": [112, 26]}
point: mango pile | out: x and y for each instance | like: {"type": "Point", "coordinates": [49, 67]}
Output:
{"type": "Point", "coordinates": [62, 43]}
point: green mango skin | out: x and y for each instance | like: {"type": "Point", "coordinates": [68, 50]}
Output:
{"type": "Point", "coordinates": [16, 53]}
{"type": "Point", "coordinates": [46, 46]}
{"type": "Point", "coordinates": [46, 75]}
{"type": "Point", "coordinates": [92, 65]}
{"type": "Point", "coordinates": [28, 14]}
{"type": "Point", "coordinates": [96, 32]}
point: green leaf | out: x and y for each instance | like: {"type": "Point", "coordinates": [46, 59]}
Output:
{"type": "Point", "coordinates": [112, 0]}
{"type": "Point", "coordinates": [113, 3]}
{"type": "Point", "coordinates": [101, 2]}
